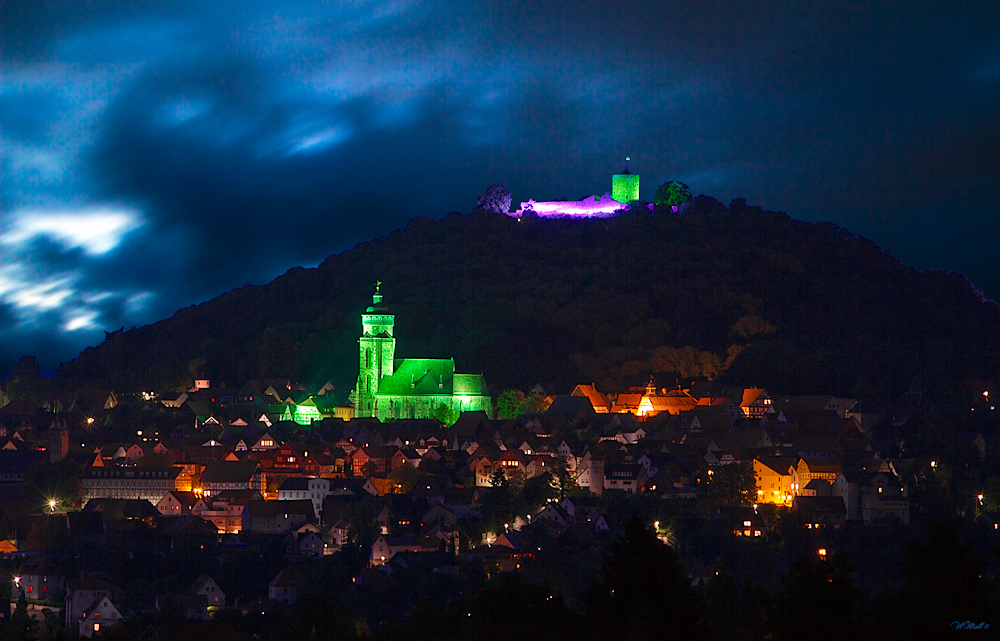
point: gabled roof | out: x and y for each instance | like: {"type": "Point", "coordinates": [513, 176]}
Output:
{"type": "Point", "coordinates": [288, 578]}
{"type": "Point", "coordinates": [268, 509]}
{"type": "Point", "coordinates": [229, 472]}
{"type": "Point", "coordinates": [419, 377]}
{"type": "Point", "coordinates": [570, 405]}
{"type": "Point", "coordinates": [187, 499]}
{"type": "Point", "coordinates": [469, 385]}
{"type": "Point", "coordinates": [819, 504]}
{"type": "Point", "coordinates": [100, 603]}
{"type": "Point", "coordinates": [295, 483]}
{"type": "Point", "coordinates": [777, 464]}
{"type": "Point", "coordinates": [597, 399]}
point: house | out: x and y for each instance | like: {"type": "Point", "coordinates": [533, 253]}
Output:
{"type": "Point", "coordinates": [206, 586]}
{"type": "Point", "coordinates": [276, 517]}
{"type": "Point", "coordinates": [371, 459]}
{"type": "Point", "coordinates": [314, 489]}
{"type": "Point", "coordinates": [226, 509]}
{"type": "Point", "coordinates": [598, 400]}
{"type": "Point", "coordinates": [81, 596]}
{"type": "Point", "coordinates": [755, 402]}
{"type": "Point", "coordinates": [774, 479]}
{"type": "Point", "coordinates": [817, 487]}
{"type": "Point", "coordinates": [884, 498]}
{"type": "Point", "coordinates": [820, 512]}
{"type": "Point", "coordinates": [743, 521]}
{"type": "Point", "coordinates": [232, 475]}
{"type": "Point", "coordinates": [439, 514]}
{"type": "Point", "coordinates": [582, 509]}
{"type": "Point", "coordinates": [284, 588]}
{"type": "Point", "coordinates": [628, 477]}
{"type": "Point", "coordinates": [175, 503]}
{"type": "Point", "coordinates": [808, 469]}
{"type": "Point", "coordinates": [128, 482]}
{"type": "Point", "coordinates": [100, 616]}
{"type": "Point", "coordinates": [40, 579]}
{"type": "Point", "coordinates": [294, 487]}
{"type": "Point", "coordinates": [385, 547]}
{"type": "Point", "coordinates": [555, 513]}
{"type": "Point", "coordinates": [310, 543]}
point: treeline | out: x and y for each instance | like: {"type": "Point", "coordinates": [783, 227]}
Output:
{"type": "Point", "coordinates": [726, 293]}
{"type": "Point", "coordinates": [640, 590]}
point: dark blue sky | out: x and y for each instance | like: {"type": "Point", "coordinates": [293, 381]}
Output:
{"type": "Point", "coordinates": [156, 154]}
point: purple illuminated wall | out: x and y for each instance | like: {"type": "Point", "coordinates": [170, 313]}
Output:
{"type": "Point", "coordinates": [592, 207]}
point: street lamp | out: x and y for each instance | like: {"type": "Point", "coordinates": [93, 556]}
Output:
{"type": "Point", "coordinates": [52, 505]}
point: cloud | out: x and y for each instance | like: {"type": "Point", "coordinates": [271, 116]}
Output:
{"type": "Point", "coordinates": [94, 230]}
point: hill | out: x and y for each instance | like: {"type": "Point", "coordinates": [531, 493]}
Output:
{"type": "Point", "coordinates": [733, 293]}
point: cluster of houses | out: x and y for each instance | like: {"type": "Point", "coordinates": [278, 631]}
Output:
{"type": "Point", "coordinates": [224, 464]}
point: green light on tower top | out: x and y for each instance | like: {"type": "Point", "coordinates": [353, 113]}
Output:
{"type": "Point", "coordinates": [625, 186]}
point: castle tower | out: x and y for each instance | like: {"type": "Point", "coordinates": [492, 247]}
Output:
{"type": "Point", "coordinates": [377, 349]}
{"type": "Point", "coordinates": [625, 186]}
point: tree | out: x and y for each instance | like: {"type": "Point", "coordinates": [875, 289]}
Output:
{"type": "Point", "coordinates": [733, 484]}
{"type": "Point", "coordinates": [991, 495]}
{"type": "Point", "coordinates": [687, 361]}
{"type": "Point", "coordinates": [563, 478]}
{"type": "Point", "coordinates": [819, 601]}
{"type": "Point", "coordinates": [496, 199]}
{"type": "Point", "coordinates": [445, 415]}
{"type": "Point", "coordinates": [404, 478]}
{"type": "Point", "coordinates": [509, 403]}
{"type": "Point", "coordinates": [25, 380]}
{"type": "Point", "coordinates": [672, 194]}
{"type": "Point", "coordinates": [644, 592]}
{"type": "Point", "coordinates": [26, 366]}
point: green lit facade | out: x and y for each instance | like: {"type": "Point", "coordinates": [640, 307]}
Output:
{"type": "Point", "coordinates": [390, 388]}
{"type": "Point", "coordinates": [625, 187]}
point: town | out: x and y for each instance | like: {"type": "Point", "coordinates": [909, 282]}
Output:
{"type": "Point", "coordinates": [259, 507]}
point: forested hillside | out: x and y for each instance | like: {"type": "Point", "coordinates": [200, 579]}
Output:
{"type": "Point", "coordinates": [733, 293]}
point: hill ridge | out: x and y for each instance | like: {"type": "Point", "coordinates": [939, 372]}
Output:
{"type": "Point", "coordinates": [792, 305]}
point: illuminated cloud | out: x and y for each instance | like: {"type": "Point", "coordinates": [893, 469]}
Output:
{"type": "Point", "coordinates": [95, 231]}
{"type": "Point", "coordinates": [29, 295]}
{"type": "Point", "coordinates": [81, 320]}
{"type": "Point", "coordinates": [319, 140]}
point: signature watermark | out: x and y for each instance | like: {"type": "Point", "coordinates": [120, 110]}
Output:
{"type": "Point", "coordinates": [969, 625]}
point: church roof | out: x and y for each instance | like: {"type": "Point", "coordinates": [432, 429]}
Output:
{"type": "Point", "coordinates": [470, 385]}
{"type": "Point", "coordinates": [419, 377]}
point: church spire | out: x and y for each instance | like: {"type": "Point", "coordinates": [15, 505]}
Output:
{"type": "Point", "coordinates": [377, 305]}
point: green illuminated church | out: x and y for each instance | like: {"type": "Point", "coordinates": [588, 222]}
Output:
{"type": "Point", "coordinates": [391, 388]}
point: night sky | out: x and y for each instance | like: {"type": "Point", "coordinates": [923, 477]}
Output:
{"type": "Point", "coordinates": [156, 154]}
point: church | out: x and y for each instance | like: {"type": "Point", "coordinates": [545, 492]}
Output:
{"type": "Point", "coordinates": [390, 388]}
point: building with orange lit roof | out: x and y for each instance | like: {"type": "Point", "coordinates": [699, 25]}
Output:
{"type": "Point", "coordinates": [598, 399]}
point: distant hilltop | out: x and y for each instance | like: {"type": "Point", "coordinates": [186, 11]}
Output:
{"type": "Point", "coordinates": [624, 190]}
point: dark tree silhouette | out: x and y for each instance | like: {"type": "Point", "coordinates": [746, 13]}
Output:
{"type": "Point", "coordinates": [496, 199]}
{"type": "Point", "coordinates": [644, 592]}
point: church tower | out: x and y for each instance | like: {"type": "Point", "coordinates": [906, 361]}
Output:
{"type": "Point", "coordinates": [377, 349]}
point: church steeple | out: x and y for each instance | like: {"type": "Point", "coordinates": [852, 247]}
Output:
{"type": "Point", "coordinates": [376, 351]}
{"type": "Point", "coordinates": [377, 299]}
